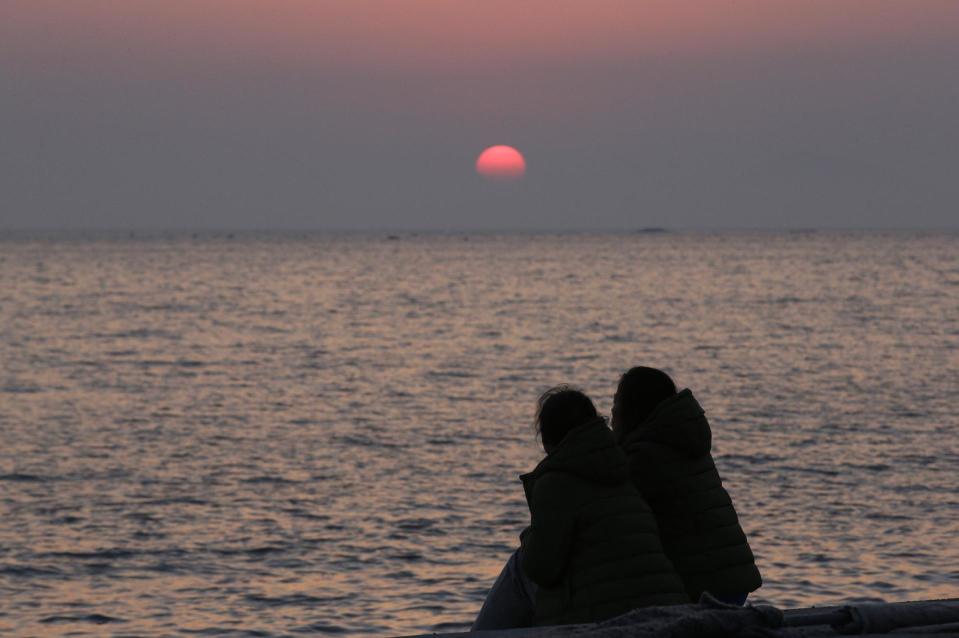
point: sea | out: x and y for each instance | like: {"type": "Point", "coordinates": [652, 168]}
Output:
{"type": "Point", "coordinates": [283, 434]}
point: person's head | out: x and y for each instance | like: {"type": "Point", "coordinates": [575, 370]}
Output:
{"type": "Point", "coordinates": [558, 411]}
{"type": "Point", "coordinates": [640, 390]}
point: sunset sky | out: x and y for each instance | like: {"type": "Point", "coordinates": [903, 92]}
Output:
{"type": "Point", "coordinates": [370, 114]}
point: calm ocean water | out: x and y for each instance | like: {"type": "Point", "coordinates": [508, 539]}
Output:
{"type": "Point", "coordinates": [275, 435]}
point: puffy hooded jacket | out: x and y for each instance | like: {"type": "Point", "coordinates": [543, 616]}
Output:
{"type": "Point", "coordinates": [592, 547]}
{"type": "Point", "coordinates": [672, 467]}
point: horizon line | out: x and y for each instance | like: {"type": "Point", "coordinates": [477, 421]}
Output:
{"type": "Point", "coordinates": [647, 228]}
{"type": "Point", "coordinates": [638, 230]}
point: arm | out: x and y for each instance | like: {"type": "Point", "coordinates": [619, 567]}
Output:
{"type": "Point", "coordinates": [547, 542]}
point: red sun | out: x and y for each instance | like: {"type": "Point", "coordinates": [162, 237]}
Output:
{"type": "Point", "coordinates": [501, 163]}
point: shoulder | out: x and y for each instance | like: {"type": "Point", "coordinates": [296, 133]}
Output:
{"type": "Point", "coordinates": [557, 489]}
{"type": "Point", "coordinates": [554, 482]}
{"type": "Point", "coordinates": [661, 467]}
{"type": "Point", "coordinates": [651, 452]}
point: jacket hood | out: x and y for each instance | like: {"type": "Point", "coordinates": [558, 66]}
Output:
{"type": "Point", "coordinates": [588, 451]}
{"type": "Point", "coordinates": [679, 423]}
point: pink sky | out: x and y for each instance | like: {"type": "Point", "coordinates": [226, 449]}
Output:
{"type": "Point", "coordinates": [447, 34]}
{"type": "Point", "coordinates": [343, 113]}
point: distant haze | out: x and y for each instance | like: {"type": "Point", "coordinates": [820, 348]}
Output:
{"type": "Point", "coordinates": [365, 114]}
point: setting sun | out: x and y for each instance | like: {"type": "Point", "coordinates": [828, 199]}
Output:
{"type": "Point", "coordinates": [501, 162]}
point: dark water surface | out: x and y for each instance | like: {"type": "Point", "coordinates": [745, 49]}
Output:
{"type": "Point", "coordinates": [276, 435]}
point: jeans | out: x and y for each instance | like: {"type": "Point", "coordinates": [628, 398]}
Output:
{"type": "Point", "coordinates": [732, 599]}
{"type": "Point", "coordinates": [511, 601]}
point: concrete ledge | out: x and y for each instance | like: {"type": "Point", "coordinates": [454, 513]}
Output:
{"type": "Point", "coordinates": [922, 618]}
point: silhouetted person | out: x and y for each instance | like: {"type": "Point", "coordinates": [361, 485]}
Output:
{"type": "Point", "coordinates": [592, 549]}
{"type": "Point", "coordinates": [668, 440]}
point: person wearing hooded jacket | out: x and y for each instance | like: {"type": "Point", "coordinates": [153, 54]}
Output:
{"type": "Point", "coordinates": [592, 549]}
{"type": "Point", "coordinates": [668, 440]}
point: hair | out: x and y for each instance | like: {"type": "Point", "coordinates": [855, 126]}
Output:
{"type": "Point", "coordinates": [640, 390]}
{"type": "Point", "coordinates": [561, 409]}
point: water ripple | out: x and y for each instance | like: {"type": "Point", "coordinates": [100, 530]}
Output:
{"type": "Point", "coordinates": [277, 435]}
